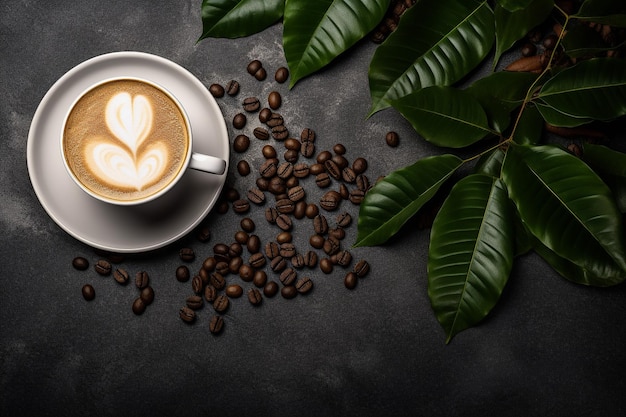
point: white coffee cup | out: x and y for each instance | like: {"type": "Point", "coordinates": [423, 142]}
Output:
{"type": "Point", "coordinates": [128, 141]}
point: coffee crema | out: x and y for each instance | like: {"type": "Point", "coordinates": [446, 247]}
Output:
{"type": "Point", "coordinates": [125, 140]}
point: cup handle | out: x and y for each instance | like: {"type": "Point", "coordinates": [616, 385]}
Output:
{"type": "Point", "coordinates": [207, 163]}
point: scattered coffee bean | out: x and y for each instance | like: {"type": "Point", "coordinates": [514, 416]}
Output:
{"type": "Point", "coordinates": [301, 170]}
{"type": "Point", "coordinates": [296, 193]}
{"type": "Point", "coordinates": [241, 143]}
{"type": "Point", "coordinates": [277, 186]}
{"type": "Point", "coordinates": [297, 261]}
{"type": "Point", "coordinates": [261, 133]}
{"type": "Point", "coordinates": [239, 121]}
{"type": "Point", "coordinates": [289, 291]}
{"type": "Point", "coordinates": [344, 258]}
{"type": "Point", "coordinates": [103, 267]}
{"type": "Point", "coordinates": [326, 265]}
{"type": "Point", "coordinates": [254, 66]}
{"type": "Point", "coordinates": [187, 254]}
{"type": "Point", "coordinates": [271, 214]}
{"type": "Point", "coordinates": [274, 100]}
{"type": "Point", "coordinates": [284, 170]}
{"type": "Point", "coordinates": [357, 196]}
{"type": "Point", "coordinates": [80, 263]}
{"type": "Point", "coordinates": [392, 139]}
{"type": "Point", "coordinates": [350, 280]}
{"type": "Point", "coordinates": [282, 74]}
{"type": "Point", "coordinates": [89, 293]}
{"type": "Point", "coordinates": [278, 264]}
{"type": "Point", "coordinates": [221, 303]}
{"type": "Point", "coordinates": [322, 180]}
{"type": "Point", "coordinates": [344, 219]}
{"type": "Point", "coordinates": [317, 241]}
{"type": "Point", "coordinates": [256, 196]}
{"type": "Point", "coordinates": [359, 165]}
{"type": "Point", "coordinates": [235, 264]}
{"type": "Point", "coordinates": [270, 289]}
{"type": "Point", "coordinates": [272, 250]}
{"type": "Point", "coordinates": [217, 280]}
{"type": "Point", "coordinates": [291, 155]}
{"type": "Point", "coordinates": [337, 232]}
{"type": "Point", "coordinates": [234, 291]}
{"type": "Point", "coordinates": [210, 293]}
{"type": "Point", "coordinates": [208, 265]}
{"type": "Point", "coordinates": [339, 149]}
{"type": "Point", "coordinates": [254, 296]}
{"type": "Point", "coordinates": [222, 267]}
{"type": "Point", "coordinates": [280, 132]}
{"type": "Point", "coordinates": [232, 88]}
{"type": "Point", "coordinates": [300, 210]}
{"type": "Point", "coordinates": [287, 250]}
{"type": "Point", "coordinates": [216, 325]}
{"type": "Point", "coordinates": [121, 276]}
{"type": "Point", "coordinates": [269, 151]}
{"type": "Point", "coordinates": [182, 273]}
{"type": "Point", "coordinates": [246, 272]}
{"type": "Point", "coordinates": [257, 260]}
{"type": "Point", "coordinates": [264, 115]}
{"type": "Point", "coordinates": [311, 210]}
{"type": "Point", "coordinates": [203, 234]}
{"type": "Point", "coordinates": [254, 244]}
{"type": "Point", "coordinates": [331, 246]}
{"type": "Point", "coordinates": [139, 307]}
{"type": "Point", "coordinates": [284, 222]}
{"type": "Point", "coordinates": [142, 279]}
{"type": "Point", "coordinates": [343, 191]}
{"type": "Point", "coordinates": [304, 285]}
{"type": "Point", "coordinates": [362, 268]}
{"type": "Point", "coordinates": [243, 168]}
{"type": "Point", "coordinates": [235, 249]}
{"type": "Point", "coordinates": [197, 284]}
{"type": "Point", "coordinates": [307, 135]}
{"type": "Point", "coordinates": [241, 206]}
{"type": "Point", "coordinates": [362, 182]}
{"type": "Point", "coordinates": [348, 175]}
{"type": "Point", "coordinates": [194, 302]}
{"type": "Point", "coordinates": [261, 74]}
{"type": "Point", "coordinates": [260, 278]}
{"type": "Point", "coordinates": [330, 200]}
{"type": "Point", "coordinates": [341, 161]}
{"type": "Point", "coordinates": [268, 169]}
{"type": "Point", "coordinates": [333, 169]}
{"type": "Point", "coordinates": [310, 259]}
{"type": "Point", "coordinates": [147, 295]}
{"type": "Point", "coordinates": [275, 119]}
{"type": "Point", "coordinates": [320, 224]}
{"type": "Point", "coordinates": [251, 104]}
{"type": "Point", "coordinates": [187, 315]}
{"type": "Point", "coordinates": [216, 90]}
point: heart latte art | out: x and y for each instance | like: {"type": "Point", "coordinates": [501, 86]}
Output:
{"type": "Point", "coordinates": [125, 140]}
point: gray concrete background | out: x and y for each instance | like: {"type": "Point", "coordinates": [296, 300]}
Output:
{"type": "Point", "coordinates": [549, 348]}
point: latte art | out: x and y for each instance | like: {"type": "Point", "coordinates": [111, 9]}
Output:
{"type": "Point", "coordinates": [125, 140]}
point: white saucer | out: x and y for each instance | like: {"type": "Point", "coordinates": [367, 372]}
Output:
{"type": "Point", "coordinates": [126, 229]}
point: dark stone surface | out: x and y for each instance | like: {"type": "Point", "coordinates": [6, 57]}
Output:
{"type": "Point", "coordinates": [549, 348]}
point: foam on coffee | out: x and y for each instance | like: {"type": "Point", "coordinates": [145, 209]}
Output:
{"type": "Point", "coordinates": [125, 140]}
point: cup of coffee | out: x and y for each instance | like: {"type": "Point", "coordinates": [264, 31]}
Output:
{"type": "Point", "coordinates": [127, 141]}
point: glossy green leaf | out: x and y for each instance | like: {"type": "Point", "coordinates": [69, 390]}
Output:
{"type": "Point", "coordinates": [471, 252]}
{"type": "Point", "coordinates": [436, 43]}
{"type": "Point", "coordinates": [556, 118]}
{"type": "Point", "coordinates": [514, 5]}
{"type": "Point", "coordinates": [567, 207]}
{"type": "Point", "coordinates": [609, 12]}
{"type": "Point", "coordinates": [611, 166]}
{"type": "Point", "coordinates": [316, 32]}
{"type": "Point", "coordinates": [594, 89]}
{"type": "Point", "coordinates": [398, 196]}
{"type": "Point", "coordinates": [490, 163]}
{"type": "Point", "coordinates": [583, 41]}
{"type": "Point", "coordinates": [529, 127]}
{"type": "Point", "coordinates": [500, 93]}
{"type": "Point", "coordinates": [445, 116]}
{"type": "Point", "coordinates": [514, 25]}
{"type": "Point", "coordinates": [238, 18]}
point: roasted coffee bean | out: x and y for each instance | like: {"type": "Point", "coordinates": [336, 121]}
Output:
{"type": "Point", "coordinates": [297, 261]}
{"type": "Point", "coordinates": [323, 156]}
{"type": "Point", "coordinates": [261, 133]}
{"type": "Point", "coordinates": [278, 263]}
{"type": "Point", "coordinates": [350, 280]}
{"type": "Point", "coordinates": [234, 264]}
{"type": "Point", "coordinates": [216, 325]}
{"type": "Point", "coordinates": [331, 246]}
{"type": "Point", "coordinates": [197, 284]}
{"type": "Point", "coordinates": [288, 291]}
{"type": "Point", "coordinates": [285, 205]}
{"type": "Point", "coordinates": [182, 272]}
{"type": "Point", "coordinates": [337, 232]}
{"type": "Point", "coordinates": [300, 210]}
{"type": "Point", "coordinates": [287, 250]}
{"type": "Point", "coordinates": [194, 302]}
{"type": "Point", "coordinates": [251, 104]}
{"type": "Point", "coordinates": [288, 276]}
{"type": "Point", "coordinates": [142, 279]}
{"type": "Point", "coordinates": [339, 149]}
{"type": "Point", "coordinates": [241, 237]}
{"type": "Point", "coordinates": [217, 280]}
{"type": "Point", "coordinates": [284, 170]}
{"type": "Point", "coordinates": [268, 169]}
{"type": "Point", "coordinates": [80, 263]}
{"type": "Point", "coordinates": [210, 293]}
{"type": "Point", "coordinates": [261, 74]}
{"type": "Point", "coordinates": [359, 165]}
{"type": "Point", "coordinates": [239, 121]}
{"type": "Point", "coordinates": [301, 170]}
{"type": "Point", "coordinates": [291, 155]}
{"type": "Point", "coordinates": [274, 100]}
{"type": "Point", "coordinates": [330, 200]}
{"type": "Point", "coordinates": [311, 210]}
{"type": "Point", "coordinates": [272, 250]}
{"type": "Point", "coordinates": [343, 191]}
{"type": "Point", "coordinates": [216, 90]}
{"type": "Point", "coordinates": [254, 296]}
{"type": "Point", "coordinates": [344, 219]}
{"type": "Point", "coordinates": [222, 207]}
{"type": "Point", "coordinates": [282, 74]}
{"type": "Point", "coordinates": [247, 224]}
{"type": "Point", "coordinates": [243, 168]}
{"type": "Point", "coordinates": [262, 184]}
{"type": "Point", "coordinates": [187, 254]}
{"type": "Point", "coordinates": [139, 307]}
{"type": "Point", "coordinates": [268, 151]}
{"type": "Point", "coordinates": [307, 135]}
{"type": "Point", "coordinates": [283, 222]}
{"type": "Point", "coordinates": [362, 182]}
{"type": "Point", "coordinates": [254, 66]}
{"type": "Point", "coordinates": [103, 267]}
{"type": "Point", "coordinates": [333, 169]}
{"type": "Point", "coordinates": [204, 275]}
{"type": "Point", "coordinates": [259, 279]}
{"type": "Point", "coordinates": [344, 258]}
{"type": "Point", "coordinates": [121, 276]}
{"type": "Point", "coordinates": [232, 88]}
{"type": "Point", "coordinates": [254, 244]}
{"type": "Point", "coordinates": [235, 249]}
{"type": "Point", "coordinates": [275, 119]}
{"type": "Point", "coordinates": [296, 193]}
{"type": "Point", "coordinates": [89, 293]}
{"type": "Point", "coordinates": [362, 268]}
{"type": "Point", "coordinates": [264, 115]}
{"type": "Point", "coordinates": [326, 265]}
{"type": "Point", "coordinates": [257, 260]}
{"type": "Point", "coordinates": [221, 303]}
{"type": "Point", "coordinates": [348, 175]}
{"type": "Point", "coordinates": [341, 161]}
{"type": "Point", "coordinates": [304, 285]}
{"type": "Point", "coordinates": [221, 249]}
{"type": "Point", "coordinates": [292, 143]}
{"type": "Point", "coordinates": [307, 149]}
{"type": "Point", "coordinates": [284, 237]}
{"type": "Point", "coordinates": [187, 315]}
{"type": "Point", "coordinates": [280, 132]}
{"type": "Point", "coordinates": [271, 214]}
{"type": "Point", "coordinates": [316, 169]}
{"type": "Point", "coordinates": [231, 194]}
{"type": "Point", "coordinates": [256, 196]}
{"type": "Point", "coordinates": [241, 143]}
{"type": "Point", "coordinates": [234, 291]}
{"type": "Point", "coordinates": [246, 272]}
{"type": "Point", "coordinates": [320, 224]}
{"type": "Point", "coordinates": [357, 196]}
{"type": "Point", "coordinates": [203, 234]}
{"type": "Point", "coordinates": [147, 295]}
{"type": "Point", "coordinates": [317, 241]}
{"type": "Point", "coordinates": [241, 206]}
{"type": "Point", "coordinates": [392, 139]}
{"type": "Point", "coordinates": [270, 289]}
{"type": "Point", "coordinates": [310, 259]}
{"type": "Point", "coordinates": [277, 186]}
{"type": "Point", "coordinates": [322, 180]}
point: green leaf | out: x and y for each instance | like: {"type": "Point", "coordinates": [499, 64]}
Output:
{"type": "Point", "coordinates": [500, 93]}
{"type": "Point", "coordinates": [514, 25]}
{"type": "Point", "coordinates": [316, 32]}
{"type": "Point", "coordinates": [594, 89]}
{"type": "Point", "coordinates": [583, 41]}
{"type": "Point", "coordinates": [529, 127]}
{"type": "Point", "coordinates": [490, 163]}
{"type": "Point", "coordinates": [611, 166]}
{"type": "Point", "coordinates": [397, 197]}
{"type": "Point", "coordinates": [471, 252]}
{"type": "Point", "coordinates": [238, 18]}
{"type": "Point", "coordinates": [608, 12]}
{"type": "Point", "coordinates": [445, 116]}
{"type": "Point", "coordinates": [556, 118]}
{"type": "Point", "coordinates": [567, 207]}
{"type": "Point", "coordinates": [436, 43]}
{"type": "Point", "coordinates": [513, 5]}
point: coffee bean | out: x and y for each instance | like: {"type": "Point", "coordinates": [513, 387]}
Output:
{"type": "Point", "coordinates": [221, 249]}
{"type": "Point", "coordinates": [297, 261]}
{"type": "Point", "coordinates": [251, 104]}
{"type": "Point", "coordinates": [264, 115]}
{"type": "Point", "coordinates": [291, 155]}
{"type": "Point", "coordinates": [142, 280]}
{"type": "Point", "coordinates": [254, 66]}
{"type": "Point", "coordinates": [362, 268]}
{"type": "Point", "coordinates": [243, 168]}
{"type": "Point", "coordinates": [392, 139]}
{"type": "Point", "coordinates": [222, 267]}
{"type": "Point", "coordinates": [323, 156]}
{"type": "Point", "coordinates": [203, 234]}
{"type": "Point", "coordinates": [254, 296]}
{"type": "Point", "coordinates": [232, 88]}
{"type": "Point", "coordinates": [316, 169]}
{"type": "Point", "coordinates": [268, 169]}
{"type": "Point", "coordinates": [210, 293]}
{"type": "Point", "coordinates": [277, 186]}
{"type": "Point", "coordinates": [307, 149]}
{"type": "Point", "coordinates": [310, 259]}
{"type": "Point", "coordinates": [182, 273]}
{"type": "Point", "coordinates": [194, 302]}
{"type": "Point", "coordinates": [234, 291]}
{"type": "Point", "coordinates": [343, 191]}
{"type": "Point", "coordinates": [311, 210]}
{"type": "Point", "coordinates": [301, 170]}
{"type": "Point", "coordinates": [350, 280]}
{"type": "Point", "coordinates": [216, 90]}
{"type": "Point", "coordinates": [235, 249]}
{"type": "Point", "coordinates": [283, 222]}
{"type": "Point", "coordinates": [285, 206]}
{"type": "Point", "coordinates": [268, 151]}
{"type": "Point", "coordinates": [357, 196]}
{"type": "Point", "coordinates": [231, 194]}
{"type": "Point", "coordinates": [275, 119]}
{"type": "Point", "coordinates": [241, 206]}
{"type": "Point", "coordinates": [270, 289]}
{"type": "Point", "coordinates": [289, 291]}
{"type": "Point", "coordinates": [300, 211]}
{"type": "Point", "coordinates": [257, 260]}
{"type": "Point", "coordinates": [304, 285]}
{"type": "Point", "coordinates": [272, 250]}
{"type": "Point", "coordinates": [322, 180]}
{"type": "Point", "coordinates": [197, 284]}
{"type": "Point", "coordinates": [239, 121]}
{"type": "Point", "coordinates": [341, 161]}
{"type": "Point", "coordinates": [278, 263]}
{"type": "Point", "coordinates": [337, 232]}
{"type": "Point", "coordinates": [292, 143]}
{"type": "Point", "coordinates": [344, 258]}
{"type": "Point", "coordinates": [147, 295]}
{"type": "Point", "coordinates": [187, 315]}
{"type": "Point", "coordinates": [247, 224]}
{"type": "Point", "coordinates": [187, 255]}
{"type": "Point", "coordinates": [339, 149]}
{"type": "Point", "coordinates": [221, 303]}
{"type": "Point", "coordinates": [344, 219]}
{"type": "Point", "coordinates": [121, 276]}
{"type": "Point", "coordinates": [217, 280]}
{"type": "Point", "coordinates": [320, 224]}
{"type": "Point", "coordinates": [333, 169]}
{"type": "Point", "coordinates": [307, 135]}
{"type": "Point", "coordinates": [261, 133]}
{"type": "Point", "coordinates": [216, 325]}
{"type": "Point", "coordinates": [296, 193]}
{"type": "Point", "coordinates": [359, 165]}
{"type": "Point", "coordinates": [362, 182]}
{"type": "Point", "coordinates": [280, 132]}
{"type": "Point", "coordinates": [241, 143]}
{"type": "Point", "coordinates": [246, 272]}
{"type": "Point", "coordinates": [330, 200]}
{"type": "Point", "coordinates": [80, 263]}
{"type": "Point", "coordinates": [348, 175]}
{"type": "Point", "coordinates": [259, 279]}
{"type": "Point", "coordinates": [284, 170]}
{"type": "Point", "coordinates": [326, 266]}
{"type": "Point", "coordinates": [89, 293]}
{"type": "Point", "coordinates": [287, 250]}
{"type": "Point", "coordinates": [139, 307]}
{"type": "Point", "coordinates": [271, 214]}
{"type": "Point", "coordinates": [103, 267]}
{"type": "Point", "coordinates": [261, 74]}
{"type": "Point", "coordinates": [241, 237]}
{"type": "Point", "coordinates": [317, 241]}
{"type": "Point", "coordinates": [331, 246]}
{"type": "Point", "coordinates": [254, 244]}
{"type": "Point", "coordinates": [281, 75]}
{"type": "Point", "coordinates": [222, 207]}
{"type": "Point", "coordinates": [208, 265]}
{"type": "Point", "coordinates": [274, 100]}
{"type": "Point", "coordinates": [256, 196]}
